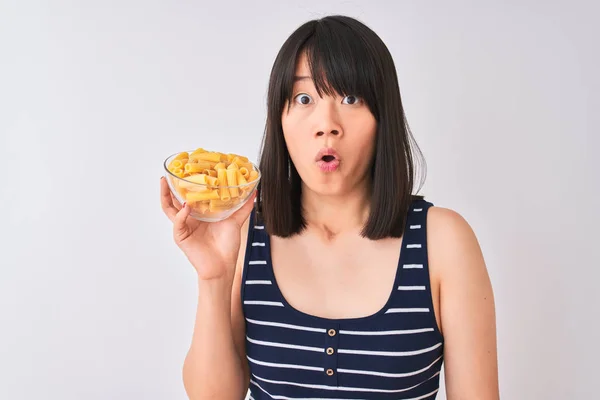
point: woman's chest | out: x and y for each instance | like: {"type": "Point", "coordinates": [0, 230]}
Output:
{"type": "Point", "coordinates": [349, 279]}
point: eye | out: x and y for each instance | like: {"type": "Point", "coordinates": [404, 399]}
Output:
{"type": "Point", "coordinates": [351, 100]}
{"type": "Point", "coordinates": [303, 99]}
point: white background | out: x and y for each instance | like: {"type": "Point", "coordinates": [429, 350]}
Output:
{"type": "Point", "coordinates": [97, 303]}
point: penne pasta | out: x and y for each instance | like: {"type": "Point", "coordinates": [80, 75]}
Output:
{"type": "Point", "coordinates": [241, 178]}
{"type": "Point", "coordinates": [252, 176]}
{"type": "Point", "coordinates": [240, 159]}
{"type": "Point", "coordinates": [232, 181]}
{"type": "Point", "coordinates": [223, 190]}
{"type": "Point", "coordinates": [178, 172]}
{"type": "Point", "coordinates": [214, 157]}
{"type": "Point", "coordinates": [193, 197]}
{"type": "Point", "coordinates": [175, 164]}
{"type": "Point", "coordinates": [211, 182]}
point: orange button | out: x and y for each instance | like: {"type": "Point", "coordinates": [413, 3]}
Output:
{"type": "Point", "coordinates": [330, 372]}
{"type": "Point", "coordinates": [330, 350]}
{"type": "Point", "coordinates": [331, 332]}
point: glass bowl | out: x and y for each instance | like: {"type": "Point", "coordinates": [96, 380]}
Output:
{"type": "Point", "coordinates": [203, 189]}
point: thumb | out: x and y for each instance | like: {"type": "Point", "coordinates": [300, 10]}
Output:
{"type": "Point", "coordinates": [180, 228]}
{"type": "Point", "coordinates": [242, 214]}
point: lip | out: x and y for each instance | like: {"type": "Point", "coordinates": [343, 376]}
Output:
{"type": "Point", "coordinates": [324, 165]}
{"type": "Point", "coordinates": [327, 151]}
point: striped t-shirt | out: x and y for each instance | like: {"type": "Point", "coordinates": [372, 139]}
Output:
{"type": "Point", "coordinates": [396, 353]}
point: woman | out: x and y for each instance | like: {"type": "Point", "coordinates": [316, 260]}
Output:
{"type": "Point", "coordinates": [341, 284]}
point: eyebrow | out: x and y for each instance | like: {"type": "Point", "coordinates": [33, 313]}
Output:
{"type": "Point", "coordinates": [300, 78]}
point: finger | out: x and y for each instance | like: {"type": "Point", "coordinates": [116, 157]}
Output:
{"type": "Point", "coordinates": [180, 227]}
{"type": "Point", "coordinates": [242, 214]}
{"type": "Point", "coordinates": [166, 201]}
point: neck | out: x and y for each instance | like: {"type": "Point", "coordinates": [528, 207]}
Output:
{"type": "Point", "coordinates": [336, 214]}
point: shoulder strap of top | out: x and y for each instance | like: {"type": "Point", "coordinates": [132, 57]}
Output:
{"type": "Point", "coordinates": [413, 288]}
{"type": "Point", "coordinates": [256, 249]}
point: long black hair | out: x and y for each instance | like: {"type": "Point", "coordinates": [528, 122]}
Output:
{"type": "Point", "coordinates": [345, 57]}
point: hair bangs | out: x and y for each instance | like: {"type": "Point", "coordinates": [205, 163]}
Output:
{"type": "Point", "coordinates": [340, 63]}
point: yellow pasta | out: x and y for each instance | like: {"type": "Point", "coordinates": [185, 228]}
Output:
{"type": "Point", "coordinates": [220, 205]}
{"type": "Point", "coordinates": [181, 156]}
{"type": "Point", "coordinates": [212, 182]}
{"type": "Point", "coordinates": [175, 164]}
{"type": "Point", "coordinates": [241, 178]}
{"type": "Point", "coordinates": [232, 180]}
{"type": "Point", "coordinates": [207, 156]}
{"type": "Point", "coordinates": [193, 197]}
{"type": "Point", "coordinates": [223, 190]}
{"type": "Point", "coordinates": [252, 176]}
{"type": "Point", "coordinates": [178, 172]}
{"type": "Point", "coordinates": [240, 159]}
{"type": "Point", "coordinates": [194, 168]}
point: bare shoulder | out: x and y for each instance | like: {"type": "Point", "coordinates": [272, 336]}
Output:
{"type": "Point", "coordinates": [452, 243]}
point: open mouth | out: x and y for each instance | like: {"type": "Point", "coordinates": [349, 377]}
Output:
{"type": "Point", "coordinates": [327, 160]}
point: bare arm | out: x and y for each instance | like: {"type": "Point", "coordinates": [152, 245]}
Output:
{"type": "Point", "coordinates": [467, 308]}
{"type": "Point", "coordinates": [216, 366]}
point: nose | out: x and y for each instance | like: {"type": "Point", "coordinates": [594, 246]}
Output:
{"type": "Point", "coordinates": [327, 120]}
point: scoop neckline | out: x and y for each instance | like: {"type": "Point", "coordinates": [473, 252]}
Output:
{"type": "Point", "coordinates": [324, 320]}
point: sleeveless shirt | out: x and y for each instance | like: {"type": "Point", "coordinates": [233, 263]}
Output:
{"type": "Point", "coordinates": [396, 353]}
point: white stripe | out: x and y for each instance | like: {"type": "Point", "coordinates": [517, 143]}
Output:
{"type": "Point", "coordinates": [415, 227]}
{"type": "Point", "coordinates": [252, 381]}
{"type": "Point", "coordinates": [418, 209]}
{"type": "Point", "coordinates": [340, 388]}
{"type": "Point", "coordinates": [411, 287]}
{"type": "Point", "coordinates": [263, 303]}
{"type": "Point", "coordinates": [412, 266]}
{"type": "Point", "coordinates": [292, 366]}
{"type": "Point", "coordinates": [250, 398]}
{"type": "Point", "coordinates": [258, 283]}
{"type": "Point", "coordinates": [389, 353]}
{"type": "Point", "coordinates": [285, 345]}
{"type": "Point", "coordinates": [278, 397]}
{"type": "Point", "coordinates": [258, 262]}
{"type": "Point", "coordinates": [260, 244]}
{"type": "Point", "coordinates": [289, 326]}
{"type": "Point", "coordinates": [424, 396]}
{"type": "Point", "coordinates": [383, 333]}
{"type": "Point", "coordinates": [406, 310]}
{"type": "Point", "coordinates": [413, 246]}
{"type": "Point", "coordinates": [386, 374]}
{"type": "Point", "coordinates": [259, 227]}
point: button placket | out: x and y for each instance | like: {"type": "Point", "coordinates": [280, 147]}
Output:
{"type": "Point", "coordinates": [331, 354]}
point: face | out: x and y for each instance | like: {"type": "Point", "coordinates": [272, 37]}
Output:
{"type": "Point", "coordinates": [331, 140]}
